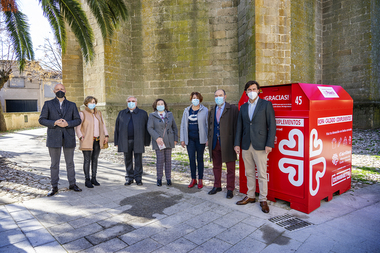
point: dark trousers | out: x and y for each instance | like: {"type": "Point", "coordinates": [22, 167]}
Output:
{"type": "Point", "coordinates": [195, 148]}
{"type": "Point", "coordinates": [217, 169]}
{"type": "Point", "coordinates": [137, 172]}
{"type": "Point", "coordinates": [91, 157]}
{"type": "Point", "coordinates": [55, 155]}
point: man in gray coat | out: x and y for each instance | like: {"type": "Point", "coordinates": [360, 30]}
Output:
{"type": "Point", "coordinates": [130, 137]}
{"type": "Point", "coordinates": [255, 131]}
{"type": "Point", "coordinates": [60, 116]}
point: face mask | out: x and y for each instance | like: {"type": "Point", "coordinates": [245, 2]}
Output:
{"type": "Point", "coordinates": [160, 108]}
{"type": "Point", "coordinates": [60, 94]}
{"type": "Point", "coordinates": [131, 105]}
{"type": "Point", "coordinates": [219, 100]}
{"type": "Point", "coordinates": [91, 106]}
{"type": "Point", "coordinates": [252, 95]}
{"type": "Point", "coordinates": [195, 101]}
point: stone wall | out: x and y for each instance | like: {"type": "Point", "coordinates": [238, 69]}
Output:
{"type": "Point", "coordinates": [351, 55]}
{"type": "Point", "coordinates": [169, 48]}
{"type": "Point", "coordinates": [166, 49]}
{"type": "Point", "coordinates": [21, 120]}
{"type": "Point", "coordinates": [72, 70]}
{"type": "Point", "coordinates": [247, 42]}
{"type": "Point", "coordinates": [306, 41]}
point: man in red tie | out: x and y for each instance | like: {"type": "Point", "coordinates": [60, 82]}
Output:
{"type": "Point", "coordinates": [222, 120]}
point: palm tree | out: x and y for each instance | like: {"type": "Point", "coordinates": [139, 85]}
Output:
{"type": "Point", "coordinates": [108, 14]}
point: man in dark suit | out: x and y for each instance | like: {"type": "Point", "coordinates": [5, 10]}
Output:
{"type": "Point", "coordinates": [130, 136]}
{"type": "Point", "coordinates": [60, 116]}
{"type": "Point", "coordinates": [221, 135]}
{"type": "Point", "coordinates": [256, 130]}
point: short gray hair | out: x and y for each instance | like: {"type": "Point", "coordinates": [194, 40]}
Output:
{"type": "Point", "coordinates": [131, 97]}
{"type": "Point", "coordinates": [224, 92]}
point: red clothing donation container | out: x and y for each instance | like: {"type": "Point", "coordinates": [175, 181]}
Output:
{"type": "Point", "coordinates": [311, 159]}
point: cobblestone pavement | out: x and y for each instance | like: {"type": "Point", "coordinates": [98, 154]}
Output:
{"type": "Point", "coordinates": [20, 182]}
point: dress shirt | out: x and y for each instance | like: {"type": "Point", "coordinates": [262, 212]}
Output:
{"type": "Point", "coordinates": [221, 109]}
{"type": "Point", "coordinates": [252, 107]}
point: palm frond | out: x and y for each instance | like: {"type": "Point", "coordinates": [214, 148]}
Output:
{"type": "Point", "coordinates": [52, 12]}
{"type": "Point", "coordinates": [109, 14]}
{"type": "Point", "coordinates": [100, 11]}
{"type": "Point", "coordinates": [119, 10]}
{"type": "Point", "coordinates": [76, 18]}
{"type": "Point", "coordinates": [18, 29]}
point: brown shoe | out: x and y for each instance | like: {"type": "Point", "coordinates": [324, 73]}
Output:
{"type": "Point", "coordinates": [246, 200]}
{"type": "Point", "coordinates": [264, 206]}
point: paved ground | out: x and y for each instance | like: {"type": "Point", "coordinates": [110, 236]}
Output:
{"type": "Point", "coordinates": [116, 218]}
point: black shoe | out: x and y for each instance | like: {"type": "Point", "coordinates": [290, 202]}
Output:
{"type": "Point", "coordinates": [168, 181]}
{"type": "Point", "coordinates": [75, 188]}
{"type": "Point", "coordinates": [52, 192]}
{"type": "Point", "coordinates": [230, 194]}
{"type": "Point", "coordinates": [94, 182]}
{"type": "Point", "coordinates": [139, 183]}
{"type": "Point", "coordinates": [88, 183]}
{"type": "Point", "coordinates": [215, 190]}
{"type": "Point", "coordinates": [159, 182]}
{"type": "Point", "coordinates": [129, 182]}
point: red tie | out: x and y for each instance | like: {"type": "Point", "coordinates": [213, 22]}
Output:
{"type": "Point", "coordinates": [218, 114]}
{"type": "Point", "coordinates": [162, 117]}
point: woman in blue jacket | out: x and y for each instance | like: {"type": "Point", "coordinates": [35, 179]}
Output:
{"type": "Point", "coordinates": [194, 136]}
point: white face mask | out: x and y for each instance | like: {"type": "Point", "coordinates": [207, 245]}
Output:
{"type": "Point", "coordinates": [195, 101]}
{"type": "Point", "coordinates": [91, 106]}
{"type": "Point", "coordinates": [252, 95]}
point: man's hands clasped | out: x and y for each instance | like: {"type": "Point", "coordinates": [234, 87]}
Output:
{"type": "Point", "coordinates": [61, 123]}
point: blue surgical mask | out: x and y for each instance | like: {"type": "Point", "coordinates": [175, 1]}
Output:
{"type": "Point", "coordinates": [160, 108]}
{"type": "Point", "coordinates": [219, 100]}
{"type": "Point", "coordinates": [131, 105]}
{"type": "Point", "coordinates": [91, 106]}
{"type": "Point", "coordinates": [195, 101]}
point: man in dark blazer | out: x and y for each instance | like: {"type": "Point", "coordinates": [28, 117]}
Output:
{"type": "Point", "coordinates": [256, 131]}
{"type": "Point", "coordinates": [221, 135]}
{"type": "Point", "coordinates": [131, 136]}
{"type": "Point", "coordinates": [60, 116]}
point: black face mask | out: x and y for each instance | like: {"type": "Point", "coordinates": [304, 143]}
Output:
{"type": "Point", "coordinates": [60, 94]}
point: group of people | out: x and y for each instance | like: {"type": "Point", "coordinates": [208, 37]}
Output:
{"type": "Point", "coordinates": [224, 129]}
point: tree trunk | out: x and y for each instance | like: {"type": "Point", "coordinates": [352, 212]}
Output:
{"type": "Point", "coordinates": [3, 125]}
{"type": "Point", "coordinates": [4, 77]}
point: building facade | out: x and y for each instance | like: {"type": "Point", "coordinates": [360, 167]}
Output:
{"type": "Point", "coordinates": [169, 48]}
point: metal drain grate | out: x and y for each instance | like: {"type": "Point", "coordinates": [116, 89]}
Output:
{"type": "Point", "coordinates": [289, 222]}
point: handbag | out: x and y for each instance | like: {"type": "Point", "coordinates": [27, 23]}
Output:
{"type": "Point", "coordinates": [105, 145]}
{"type": "Point", "coordinates": [161, 147]}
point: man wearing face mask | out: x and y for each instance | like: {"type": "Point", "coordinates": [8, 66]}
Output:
{"type": "Point", "coordinates": [130, 137]}
{"type": "Point", "coordinates": [60, 116]}
{"type": "Point", "coordinates": [256, 130]}
{"type": "Point", "coordinates": [222, 120]}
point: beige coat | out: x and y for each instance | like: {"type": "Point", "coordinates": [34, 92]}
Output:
{"type": "Point", "coordinates": [86, 129]}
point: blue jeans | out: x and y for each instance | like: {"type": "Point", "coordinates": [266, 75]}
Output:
{"type": "Point", "coordinates": [195, 147]}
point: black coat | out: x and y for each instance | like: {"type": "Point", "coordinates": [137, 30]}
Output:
{"type": "Point", "coordinates": [140, 135]}
{"type": "Point", "coordinates": [60, 136]}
